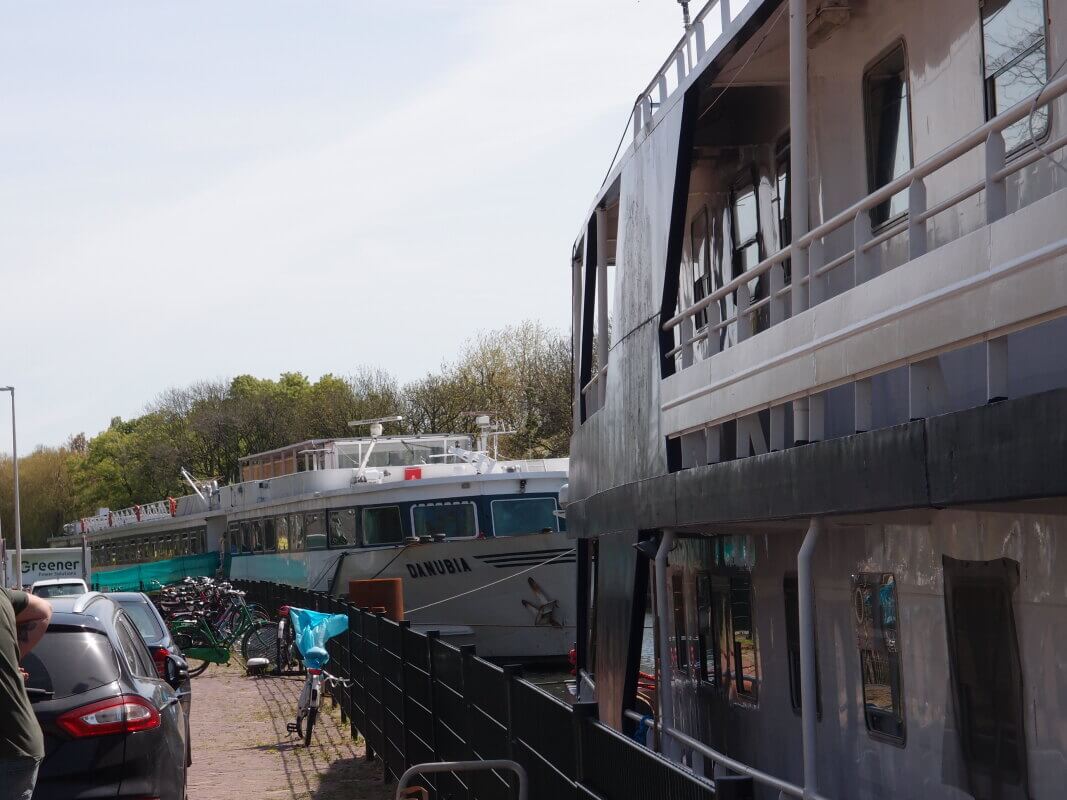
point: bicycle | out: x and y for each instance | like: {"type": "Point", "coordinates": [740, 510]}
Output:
{"type": "Point", "coordinates": [311, 630]}
{"type": "Point", "coordinates": [288, 654]}
{"type": "Point", "coordinates": [307, 711]}
{"type": "Point", "coordinates": [205, 642]}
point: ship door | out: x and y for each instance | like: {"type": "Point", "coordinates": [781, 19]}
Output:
{"type": "Point", "coordinates": [983, 651]}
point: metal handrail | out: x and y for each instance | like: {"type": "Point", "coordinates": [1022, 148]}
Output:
{"type": "Point", "coordinates": [964, 145]}
{"type": "Point", "coordinates": [465, 766]}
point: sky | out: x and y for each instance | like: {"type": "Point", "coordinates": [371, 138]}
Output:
{"type": "Point", "coordinates": [197, 190]}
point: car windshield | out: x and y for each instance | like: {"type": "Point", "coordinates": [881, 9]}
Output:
{"type": "Point", "coordinates": [144, 618]}
{"type": "Point", "coordinates": [59, 590]}
{"type": "Point", "coordinates": [68, 662]}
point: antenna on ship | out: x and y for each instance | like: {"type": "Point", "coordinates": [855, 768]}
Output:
{"type": "Point", "coordinates": [374, 424]}
{"type": "Point", "coordinates": [685, 13]}
{"type": "Point", "coordinates": [483, 421]}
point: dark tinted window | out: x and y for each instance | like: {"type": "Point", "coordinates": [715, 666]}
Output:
{"type": "Point", "coordinates": [133, 650]}
{"type": "Point", "coordinates": [680, 642]}
{"type": "Point", "coordinates": [145, 620]}
{"type": "Point", "coordinates": [885, 89]}
{"type": "Point", "coordinates": [983, 651]}
{"type": "Point", "coordinates": [529, 515]}
{"type": "Point", "coordinates": [454, 520]}
{"type": "Point", "coordinates": [343, 528]}
{"type": "Point", "coordinates": [315, 531]}
{"type": "Point", "coordinates": [707, 635]}
{"type": "Point", "coordinates": [70, 662]}
{"type": "Point", "coordinates": [382, 525]}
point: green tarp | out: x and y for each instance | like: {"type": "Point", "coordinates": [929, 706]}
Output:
{"type": "Point", "coordinates": [148, 577]}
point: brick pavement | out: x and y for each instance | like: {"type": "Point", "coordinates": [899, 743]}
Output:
{"type": "Point", "coordinates": [241, 750]}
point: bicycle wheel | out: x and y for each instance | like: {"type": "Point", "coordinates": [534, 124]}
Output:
{"type": "Point", "coordinates": [309, 723]}
{"type": "Point", "coordinates": [261, 642]}
{"type": "Point", "coordinates": [195, 666]}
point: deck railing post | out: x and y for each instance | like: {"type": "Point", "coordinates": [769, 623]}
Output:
{"type": "Point", "coordinates": [863, 268]}
{"type": "Point", "coordinates": [744, 320]}
{"type": "Point", "coordinates": [996, 191]}
{"type": "Point", "coordinates": [806, 607]}
{"type": "Point", "coordinates": [916, 224]}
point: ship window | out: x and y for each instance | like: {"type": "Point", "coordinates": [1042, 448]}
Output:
{"type": "Point", "coordinates": [454, 520]}
{"type": "Point", "coordinates": [885, 95]}
{"type": "Point", "coordinates": [679, 642]}
{"type": "Point", "coordinates": [270, 536]}
{"type": "Point", "coordinates": [233, 537]}
{"type": "Point", "coordinates": [296, 532]}
{"type": "Point", "coordinates": [314, 531]}
{"type": "Point", "coordinates": [746, 655]}
{"type": "Point", "coordinates": [526, 515]}
{"type": "Point", "coordinates": [792, 641]}
{"type": "Point", "coordinates": [281, 531]}
{"type": "Point", "coordinates": [343, 527]}
{"type": "Point", "coordinates": [707, 634]}
{"type": "Point", "coordinates": [700, 247]}
{"type": "Point", "coordinates": [745, 224]}
{"type": "Point", "coordinates": [1016, 63]}
{"type": "Point", "coordinates": [983, 649]}
{"type": "Point", "coordinates": [874, 607]}
{"type": "Point", "coordinates": [382, 526]}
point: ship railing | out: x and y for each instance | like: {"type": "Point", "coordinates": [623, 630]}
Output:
{"type": "Point", "coordinates": [715, 21]}
{"type": "Point", "coordinates": [993, 182]}
{"type": "Point", "coordinates": [161, 509]}
{"type": "Point", "coordinates": [693, 747]}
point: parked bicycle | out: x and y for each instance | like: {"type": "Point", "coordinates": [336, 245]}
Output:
{"type": "Point", "coordinates": [311, 631]}
{"type": "Point", "coordinates": [205, 641]}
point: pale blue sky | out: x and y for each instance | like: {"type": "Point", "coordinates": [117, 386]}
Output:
{"type": "Point", "coordinates": [196, 190]}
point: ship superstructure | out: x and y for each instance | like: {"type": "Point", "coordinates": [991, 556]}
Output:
{"type": "Point", "coordinates": [819, 325]}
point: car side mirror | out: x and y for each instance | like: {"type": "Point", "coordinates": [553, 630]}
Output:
{"type": "Point", "coordinates": [177, 671]}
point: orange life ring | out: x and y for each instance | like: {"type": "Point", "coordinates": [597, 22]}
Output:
{"type": "Point", "coordinates": [173, 506]}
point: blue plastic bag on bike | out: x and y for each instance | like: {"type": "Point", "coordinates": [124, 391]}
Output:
{"type": "Point", "coordinates": [311, 630]}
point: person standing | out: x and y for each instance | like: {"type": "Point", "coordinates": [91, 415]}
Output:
{"type": "Point", "coordinates": [23, 620]}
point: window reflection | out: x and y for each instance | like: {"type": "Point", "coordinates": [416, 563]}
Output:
{"type": "Point", "coordinates": [1016, 63]}
{"type": "Point", "coordinates": [874, 605]}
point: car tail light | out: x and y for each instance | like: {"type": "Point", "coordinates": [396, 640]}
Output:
{"type": "Point", "coordinates": [125, 714]}
{"type": "Point", "coordinates": [160, 656]}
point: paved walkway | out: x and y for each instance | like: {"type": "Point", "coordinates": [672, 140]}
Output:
{"type": "Point", "coordinates": [241, 749]}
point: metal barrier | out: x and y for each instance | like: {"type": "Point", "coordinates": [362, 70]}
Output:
{"type": "Point", "coordinates": [418, 700]}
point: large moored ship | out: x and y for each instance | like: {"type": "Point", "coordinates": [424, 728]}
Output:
{"type": "Point", "coordinates": [476, 541]}
{"type": "Point", "coordinates": [820, 307]}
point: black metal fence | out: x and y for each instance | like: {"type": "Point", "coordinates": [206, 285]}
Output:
{"type": "Point", "coordinates": [415, 699]}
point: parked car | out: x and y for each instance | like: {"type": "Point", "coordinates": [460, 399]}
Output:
{"type": "Point", "coordinates": [59, 587]}
{"type": "Point", "coordinates": [161, 644]}
{"type": "Point", "coordinates": [111, 726]}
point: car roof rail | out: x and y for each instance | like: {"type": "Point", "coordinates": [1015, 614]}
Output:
{"type": "Point", "coordinates": [85, 600]}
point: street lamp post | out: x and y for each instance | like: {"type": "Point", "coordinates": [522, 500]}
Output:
{"type": "Point", "coordinates": [18, 518]}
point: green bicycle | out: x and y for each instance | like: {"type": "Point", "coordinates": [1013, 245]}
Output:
{"type": "Point", "coordinates": [203, 642]}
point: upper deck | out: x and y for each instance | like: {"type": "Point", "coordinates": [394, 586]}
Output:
{"type": "Point", "coordinates": [795, 250]}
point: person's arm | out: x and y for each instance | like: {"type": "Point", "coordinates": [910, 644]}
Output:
{"type": "Point", "coordinates": [31, 623]}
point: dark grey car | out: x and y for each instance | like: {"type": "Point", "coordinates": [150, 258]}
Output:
{"type": "Point", "coordinates": [153, 629]}
{"type": "Point", "coordinates": [112, 727]}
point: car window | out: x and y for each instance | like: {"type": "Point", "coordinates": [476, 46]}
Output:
{"type": "Point", "coordinates": [59, 590]}
{"type": "Point", "coordinates": [133, 649]}
{"type": "Point", "coordinates": [144, 618]}
{"type": "Point", "coordinates": [69, 662]}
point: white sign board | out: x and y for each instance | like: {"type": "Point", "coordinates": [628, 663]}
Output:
{"type": "Point", "coordinates": [49, 562]}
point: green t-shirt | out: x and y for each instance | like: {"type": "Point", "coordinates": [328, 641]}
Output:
{"type": "Point", "coordinates": [20, 734]}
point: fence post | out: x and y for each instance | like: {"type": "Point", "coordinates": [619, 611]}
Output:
{"type": "Point", "coordinates": [403, 680]}
{"type": "Point", "coordinates": [512, 672]}
{"type": "Point", "coordinates": [583, 712]}
{"type": "Point", "coordinates": [431, 637]}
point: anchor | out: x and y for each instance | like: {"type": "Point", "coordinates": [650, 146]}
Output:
{"type": "Point", "coordinates": [546, 611]}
